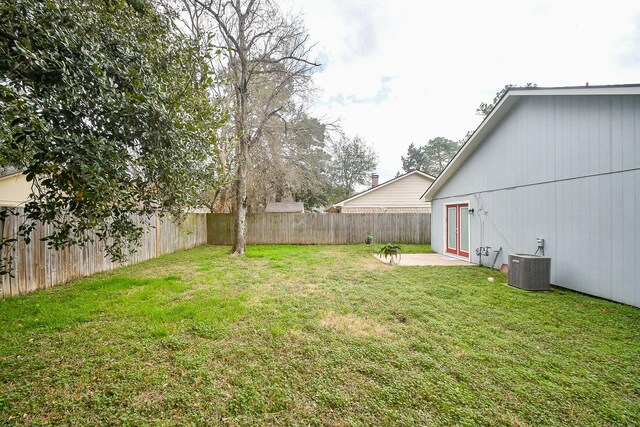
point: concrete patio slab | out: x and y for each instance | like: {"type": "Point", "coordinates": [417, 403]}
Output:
{"type": "Point", "coordinates": [425, 259]}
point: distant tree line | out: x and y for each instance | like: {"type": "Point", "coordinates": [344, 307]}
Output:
{"type": "Point", "coordinates": [430, 158]}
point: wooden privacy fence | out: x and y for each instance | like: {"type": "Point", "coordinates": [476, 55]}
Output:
{"type": "Point", "coordinates": [312, 228]}
{"type": "Point", "coordinates": [36, 266]}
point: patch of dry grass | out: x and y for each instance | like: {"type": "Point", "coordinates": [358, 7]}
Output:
{"type": "Point", "coordinates": [355, 326]}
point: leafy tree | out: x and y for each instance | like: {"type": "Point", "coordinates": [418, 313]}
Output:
{"type": "Point", "coordinates": [215, 174]}
{"type": "Point", "coordinates": [414, 159]}
{"type": "Point", "coordinates": [353, 161]}
{"type": "Point", "coordinates": [430, 158]}
{"type": "Point", "coordinates": [312, 162]}
{"type": "Point", "coordinates": [438, 152]}
{"type": "Point", "coordinates": [485, 108]}
{"type": "Point", "coordinates": [290, 163]}
{"type": "Point", "coordinates": [105, 107]}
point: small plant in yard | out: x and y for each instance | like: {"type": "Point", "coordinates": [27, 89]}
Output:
{"type": "Point", "coordinates": [369, 239]}
{"type": "Point", "coordinates": [391, 250]}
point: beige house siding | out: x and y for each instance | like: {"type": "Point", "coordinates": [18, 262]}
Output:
{"type": "Point", "coordinates": [402, 195]}
{"type": "Point", "coordinates": [285, 207]}
{"type": "Point", "coordinates": [14, 190]}
{"type": "Point", "coordinates": [425, 209]}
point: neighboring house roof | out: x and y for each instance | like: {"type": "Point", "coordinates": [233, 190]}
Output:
{"type": "Point", "coordinates": [285, 207]}
{"type": "Point", "coordinates": [8, 171]}
{"type": "Point", "coordinates": [384, 184]}
{"type": "Point", "coordinates": [500, 110]}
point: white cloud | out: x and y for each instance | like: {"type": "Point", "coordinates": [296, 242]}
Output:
{"type": "Point", "coordinates": [408, 71]}
{"type": "Point", "coordinates": [630, 56]}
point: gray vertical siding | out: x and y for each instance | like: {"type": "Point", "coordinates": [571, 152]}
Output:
{"type": "Point", "coordinates": [564, 168]}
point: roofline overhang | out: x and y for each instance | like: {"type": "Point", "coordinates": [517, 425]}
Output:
{"type": "Point", "coordinates": [397, 178]}
{"type": "Point", "coordinates": [504, 105]}
{"type": "Point", "coordinates": [11, 175]}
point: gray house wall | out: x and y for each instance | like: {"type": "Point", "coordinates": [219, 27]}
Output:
{"type": "Point", "coordinates": [565, 168]}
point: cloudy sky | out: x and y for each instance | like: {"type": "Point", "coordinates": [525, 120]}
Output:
{"type": "Point", "coordinates": [402, 71]}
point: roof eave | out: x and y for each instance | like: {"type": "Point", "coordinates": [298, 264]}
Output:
{"type": "Point", "coordinates": [384, 184]}
{"type": "Point", "coordinates": [10, 175]}
{"type": "Point", "coordinates": [503, 107]}
{"type": "Point", "coordinates": [487, 125]}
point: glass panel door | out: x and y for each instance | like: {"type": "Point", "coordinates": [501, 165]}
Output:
{"type": "Point", "coordinates": [464, 230]}
{"type": "Point", "coordinates": [452, 229]}
{"type": "Point", "coordinates": [458, 229]}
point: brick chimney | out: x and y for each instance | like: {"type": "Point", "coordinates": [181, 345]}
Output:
{"type": "Point", "coordinates": [374, 180]}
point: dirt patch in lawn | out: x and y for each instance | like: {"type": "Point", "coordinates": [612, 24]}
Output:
{"type": "Point", "coordinates": [372, 263]}
{"type": "Point", "coordinates": [148, 397]}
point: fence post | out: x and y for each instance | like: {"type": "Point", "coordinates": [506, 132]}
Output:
{"type": "Point", "coordinates": [158, 239]}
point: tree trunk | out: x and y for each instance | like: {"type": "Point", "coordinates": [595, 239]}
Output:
{"type": "Point", "coordinates": [240, 223]}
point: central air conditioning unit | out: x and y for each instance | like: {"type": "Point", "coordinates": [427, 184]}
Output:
{"type": "Point", "coordinates": [530, 272]}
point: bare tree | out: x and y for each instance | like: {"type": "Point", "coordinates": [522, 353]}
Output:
{"type": "Point", "coordinates": [267, 58]}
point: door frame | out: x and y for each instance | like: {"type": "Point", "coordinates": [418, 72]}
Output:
{"type": "Point", "coordinates": [446, 229]}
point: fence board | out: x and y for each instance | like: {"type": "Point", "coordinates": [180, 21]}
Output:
{"type": "Point", "coordinates": [312, 228]}
{"type": "Point", "coordinates": [36, 266]}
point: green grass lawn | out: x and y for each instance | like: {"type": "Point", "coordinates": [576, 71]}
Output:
{"type": "Point", "coordinates": [314, 335]}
